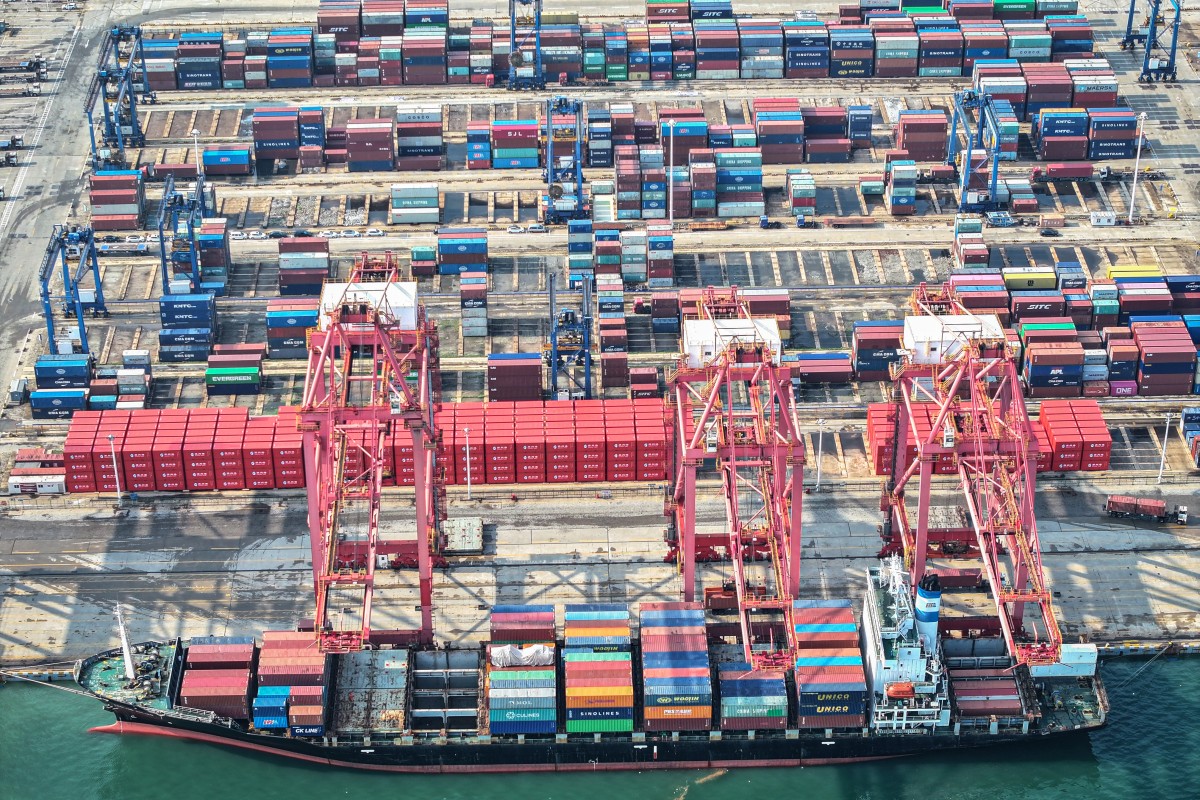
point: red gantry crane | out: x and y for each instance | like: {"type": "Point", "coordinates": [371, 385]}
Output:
{"type": "Point", "coordinates": [372, 378]}
{"type": "Point", "coordinates": [736, 404]}
{"type": "Point", "coordinates": [967, 386]}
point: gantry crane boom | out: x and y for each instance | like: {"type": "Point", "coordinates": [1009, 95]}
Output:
{"type": "Point", "coordinates": [371, 378]}
{"type": "Point", "coordinates": [976, 415]}
{"type": "Point", "coordinates": [738, 406]}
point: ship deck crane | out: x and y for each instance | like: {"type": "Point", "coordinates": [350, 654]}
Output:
{"type": "Point", "coordinates": [738, 406]}
{"type": "Point", "coordinates": [1149, 34]}
{"type": "Point", "coordinates": [525, 69]}
{"type": "Point", "coordinates": [370, 373]}
{"type": "Point", "coordinates": [570, 344]}
{"type": "Point", "coordinates": [69, 243]}
{"type": "Point", "coordinates": [180, 213]}
{"type": "Point", "coordinates": [977, 418]}
{"type": "Point", "coordinates": [564, 173]}
{"type": "Point", "coordinates": [969, 201]}
{"type": "Point", "coordinates": [117, 93]}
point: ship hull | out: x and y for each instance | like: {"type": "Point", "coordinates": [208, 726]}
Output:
{"type": "Point", "coordinates": [499, 757]}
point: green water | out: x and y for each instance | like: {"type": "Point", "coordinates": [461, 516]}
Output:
{"type": "Point", "coordinates": [1150, 750]}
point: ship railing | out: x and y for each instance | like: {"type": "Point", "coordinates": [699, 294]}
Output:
{"type": "Point", "coordinates": [196, 714]}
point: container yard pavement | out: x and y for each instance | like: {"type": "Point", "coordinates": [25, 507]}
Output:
{"type": "Point", "coordinates": [246, 569]}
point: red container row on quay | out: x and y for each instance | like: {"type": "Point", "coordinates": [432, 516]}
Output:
{"type": "Point", "coordinates": [509, 443]}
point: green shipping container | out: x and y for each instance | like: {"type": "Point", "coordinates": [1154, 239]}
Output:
{"type": "Point", "coordinates": [597, 657]}
{"type": "Point", "coordinates": [599, 726]}
{"type": "Point", "coordinates": [227, 375]}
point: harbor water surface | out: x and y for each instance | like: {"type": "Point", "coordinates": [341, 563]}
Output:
{"type": "Point", "coordinates": [1151, 749]}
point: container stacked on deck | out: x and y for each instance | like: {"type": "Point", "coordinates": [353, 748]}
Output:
{"type": "Point", "coordinates": [290, 658]}
{"type": "Point", "coordinates": [419, 139]}
{"type": "Point", "coordinates": [479, 145]}
{"type": "Point", "coordinates": [117, 198]}
{"type": "Point", "coordinates": [522, 697]}
{"type": "Point", "coordinates": [62, 386]}
{"type": "Point", "coordinates": [235, 369]}
{"type": "Point", "coordinates": [874, 347]}
{"type": "Point", "coordinates": [739, 182]}
{"type": "Point", "coordinates": [514, 376]}
{"type": "Point", "coordinates": [473, 303]}
{"type": "Point", "coordinates": [289, 321]}
{"type": "Point", "coordinates": [415, 204]}
{"type": "Point", "coordinates": [515, 144]}
{"type": "Point", "coordinates": [831, 687]}
{"type": "Point", "coordinates": [1076, 434]}
{"type": "Point", "coordinates": [217, 677]}
{"type": "Point", "coordinates": [598, 668]}
{"type": "Point", "coordinates": [901, 192]}
{"type": "Point", "coordinates": [676, 678]}
{"type": "Point", "coordinates": [194, 314]}
{"type": "Point", "coordinates": [370, 145]}
{"type": "Point", "coordinates": [923, 134]}
{"type": "Point", "coordinates": [304, 265]}
{"type": "Point", "coordinates": [752, 699]}
{"type": "Point", "coordinates": [462, 250]}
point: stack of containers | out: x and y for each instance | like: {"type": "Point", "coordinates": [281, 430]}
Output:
{"type": "Point", "coordinates": [1061, 133]}
{"type": "Point", "coordinates": [515, 144]}
{"type": "Point", "coordinates": [473, 305]}
{"type": "Point", "coordinates": [1077, 435]}
{"type": "Point", "coordinates": [117, 197]}
{"type": "Point", "coordinates": [235, 369]}
{"type": "Point", "coordinates": [690, 132]}
{"type": "Point", "coordinates": [415, 204]}
{"type": "Point", "coordinates": [874, 347]}
{"type": "Point", "coordinates": [276, 134]}
{"type": "Point", "coordinates": [1053, 369]}
{"type": "Point", "coordinates": [970, 250]}
{"type": "Point", "coordinates": [676, 678]}
{"type": "Point", "coordinates": [752, 699]}
{"type": "Point", "coordinates": [160, 64]}
{"type": "Point", "coordinates": [1001, 130]}
{"type": "Point", "coordinates": [523, 699]}
{"type": "Point", "coordinates": [294, 655]}
{"type": "Point", "coordinates": [941, 53]}
{"type": "Point", "coordinates": [423, 261]}
{"type": "Point", "coordinates": [61, 383]}
{"type": "Point", "coordinates": [597, 651]}
{"type": "Point", "coordinates": [580, 262]}
{"type": "Point", "coordinates": [1049, 87]}
{"type": "Point", "coordinates": [1167, 357]}
{"type": "Point", "coordinates": [779, 126]}
{"type": "Point", "coordinates": [831, 687]}
{"type": "Point", "coordinates": [193, 312]}
{"type": "Point", "coordinates": [633, 256]}
{"type": "Point", "coordinates": [852, 52]}
{"type": "Point", "coordinates": [1112, 133]}
{"type": "Point", "coordinates": [664, 312]}
{"type": "Point", "coordinates": [514, 376]}
{"type": "Point", "coordinates": [217, 677]}
{"type": "Point", "coordinates": [227, 161]}
{"type": "Point", "coordinates": [643, 383]}
{"type": "Point", "coordinates": [289, 58]}
{"type": "Point", "coordinates": [1189, 431]}
{"type": "Point", "coordinates": [761, 43]}
{"type": "Point", "coordinates": [370, 145]}
{"type": "Point", "coordinates": [800, 192]}
{"type": "Point", "coordinates": [198, 61]}
{"type": "Point", "coordinates": [819, 366]}
{"type": "Point", "coordinates": [599, 138]}
{"type": "Point", "coordinates": [480, 53]}
{"type": "Point", "coordinates": [288, 322]}
{"type": "Point", "coordinates": [1093, 83]}
{"type": "Point", "coordinates": [739, 183]}
{"type": "Point", "coordinates": [382, 18]}
{"type": "Point", "coordinates": [339, 18]}
{"type": "Point", "coordinates": [479, 145]}
{"type": "Point", "coordinates": [859, 120]}
{"type": "Point", "coordinates": [660, 264]}
{"type": "Point", "coordinates": [653, 187]}
{"type": "Point", "coordinates": [271, 707]}
{"type": "Point", "coordinates": [419, 144]}
{"type": "Point", "coordinates": [897, 50]}
{"type": "Point", "coordinates": [806, 52]}
{"type": "Point", "coordinates": [923, 135]}
{"type": "Point", "coordinates": [901, 194]}
{"type": "Point", "coordinates": [825, 135]}
{"type": "Point", "coordinates": [1003, 81]}
{"type": "Point", "coordinates": [462, 250]}
{"type": "Point", "coordinates": [1185, 297]}
{"type": "Point", "coordinates": [304, 265]}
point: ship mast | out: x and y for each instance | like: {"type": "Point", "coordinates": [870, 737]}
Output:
{"type": "Point", "coordinates": [126, 650]}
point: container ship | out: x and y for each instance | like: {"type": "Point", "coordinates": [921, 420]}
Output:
{"type": "Point", "coordinates": [605, 686]}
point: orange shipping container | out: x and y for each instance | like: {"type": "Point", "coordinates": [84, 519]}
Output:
{"type": "Point", "coordinates": [678, 712]}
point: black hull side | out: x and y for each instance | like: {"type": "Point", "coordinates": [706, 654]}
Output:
{"type": "Point", "coordinates": [808, 750]}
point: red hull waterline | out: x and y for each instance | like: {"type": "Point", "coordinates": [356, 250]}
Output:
{"type": "Point", "coordinates": [140, 729]}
